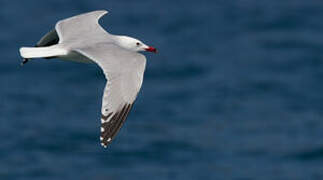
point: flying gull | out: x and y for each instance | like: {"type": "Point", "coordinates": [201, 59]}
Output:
{"type": "Point", "coordinates": [81, 38]}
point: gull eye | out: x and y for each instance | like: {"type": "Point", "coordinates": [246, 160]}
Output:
{"type": "Point", "coordinates": [137, 43]}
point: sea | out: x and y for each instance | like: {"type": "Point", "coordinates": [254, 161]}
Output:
{"type": "Point", "coordinates": [234, 92]}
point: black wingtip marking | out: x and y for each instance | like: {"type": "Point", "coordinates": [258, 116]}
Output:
{"type": "Point", "coordinates": [24, 61]}
{"type": "Point", "coordinates": [112, 127]}
{"type": "Point", "coordinates": [106, 117]}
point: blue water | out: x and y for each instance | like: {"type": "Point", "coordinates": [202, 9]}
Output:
{"type": "Point", "coordinates": [235, 92]}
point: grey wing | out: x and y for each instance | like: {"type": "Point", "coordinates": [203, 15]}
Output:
{"type": "Point", "coordinates": [81, 27]}
{"type": "Point", "coordinates": [49, 39]}
{"type": "Point", "coordinates": [74, 27]}
{"type": "Point", "coordinates": [124, 71]}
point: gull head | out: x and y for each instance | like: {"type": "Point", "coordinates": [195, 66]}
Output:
{"type": "Point", "coordinates": [133, 44]}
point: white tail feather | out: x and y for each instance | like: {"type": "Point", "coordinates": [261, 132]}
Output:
{"type": "Point", "coordinates": [41, 52]}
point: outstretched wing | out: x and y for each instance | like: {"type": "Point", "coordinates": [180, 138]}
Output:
{"type": "Point", "coordinates": [74, 27]}
{"type": "Point", "coordinates": [124, 71]}
{"type": "Point", "coordinates": [84, 26]}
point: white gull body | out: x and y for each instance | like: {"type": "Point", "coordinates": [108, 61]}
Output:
{"type": "Point", "coordinates": [81, 38]}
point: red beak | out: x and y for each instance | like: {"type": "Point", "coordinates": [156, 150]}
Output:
{"type": "Point", "coordinates": [151, 49]}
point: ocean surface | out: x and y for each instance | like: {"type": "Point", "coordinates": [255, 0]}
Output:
{"type": "Point", "coordinates": [235, 92]}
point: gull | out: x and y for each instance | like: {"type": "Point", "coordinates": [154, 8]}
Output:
{"type": "Point", "coordinates": [81, 38]}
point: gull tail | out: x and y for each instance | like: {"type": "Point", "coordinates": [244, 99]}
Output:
{"type": "Point", "coordinates": [41, 52]}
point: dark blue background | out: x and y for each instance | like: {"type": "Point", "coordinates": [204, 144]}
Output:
{"type": "Point", "coordinates": [235, 92]}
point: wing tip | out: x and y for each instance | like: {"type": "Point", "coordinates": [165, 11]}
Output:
{"type": "Point", "coordinates": [104, 145]}
{"type": "Point", "coordinates": [103, 11]}
{"type": "Point", "coordinates": [108, 130]}
{"type": "Point", "coordinates": [99, 13]}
